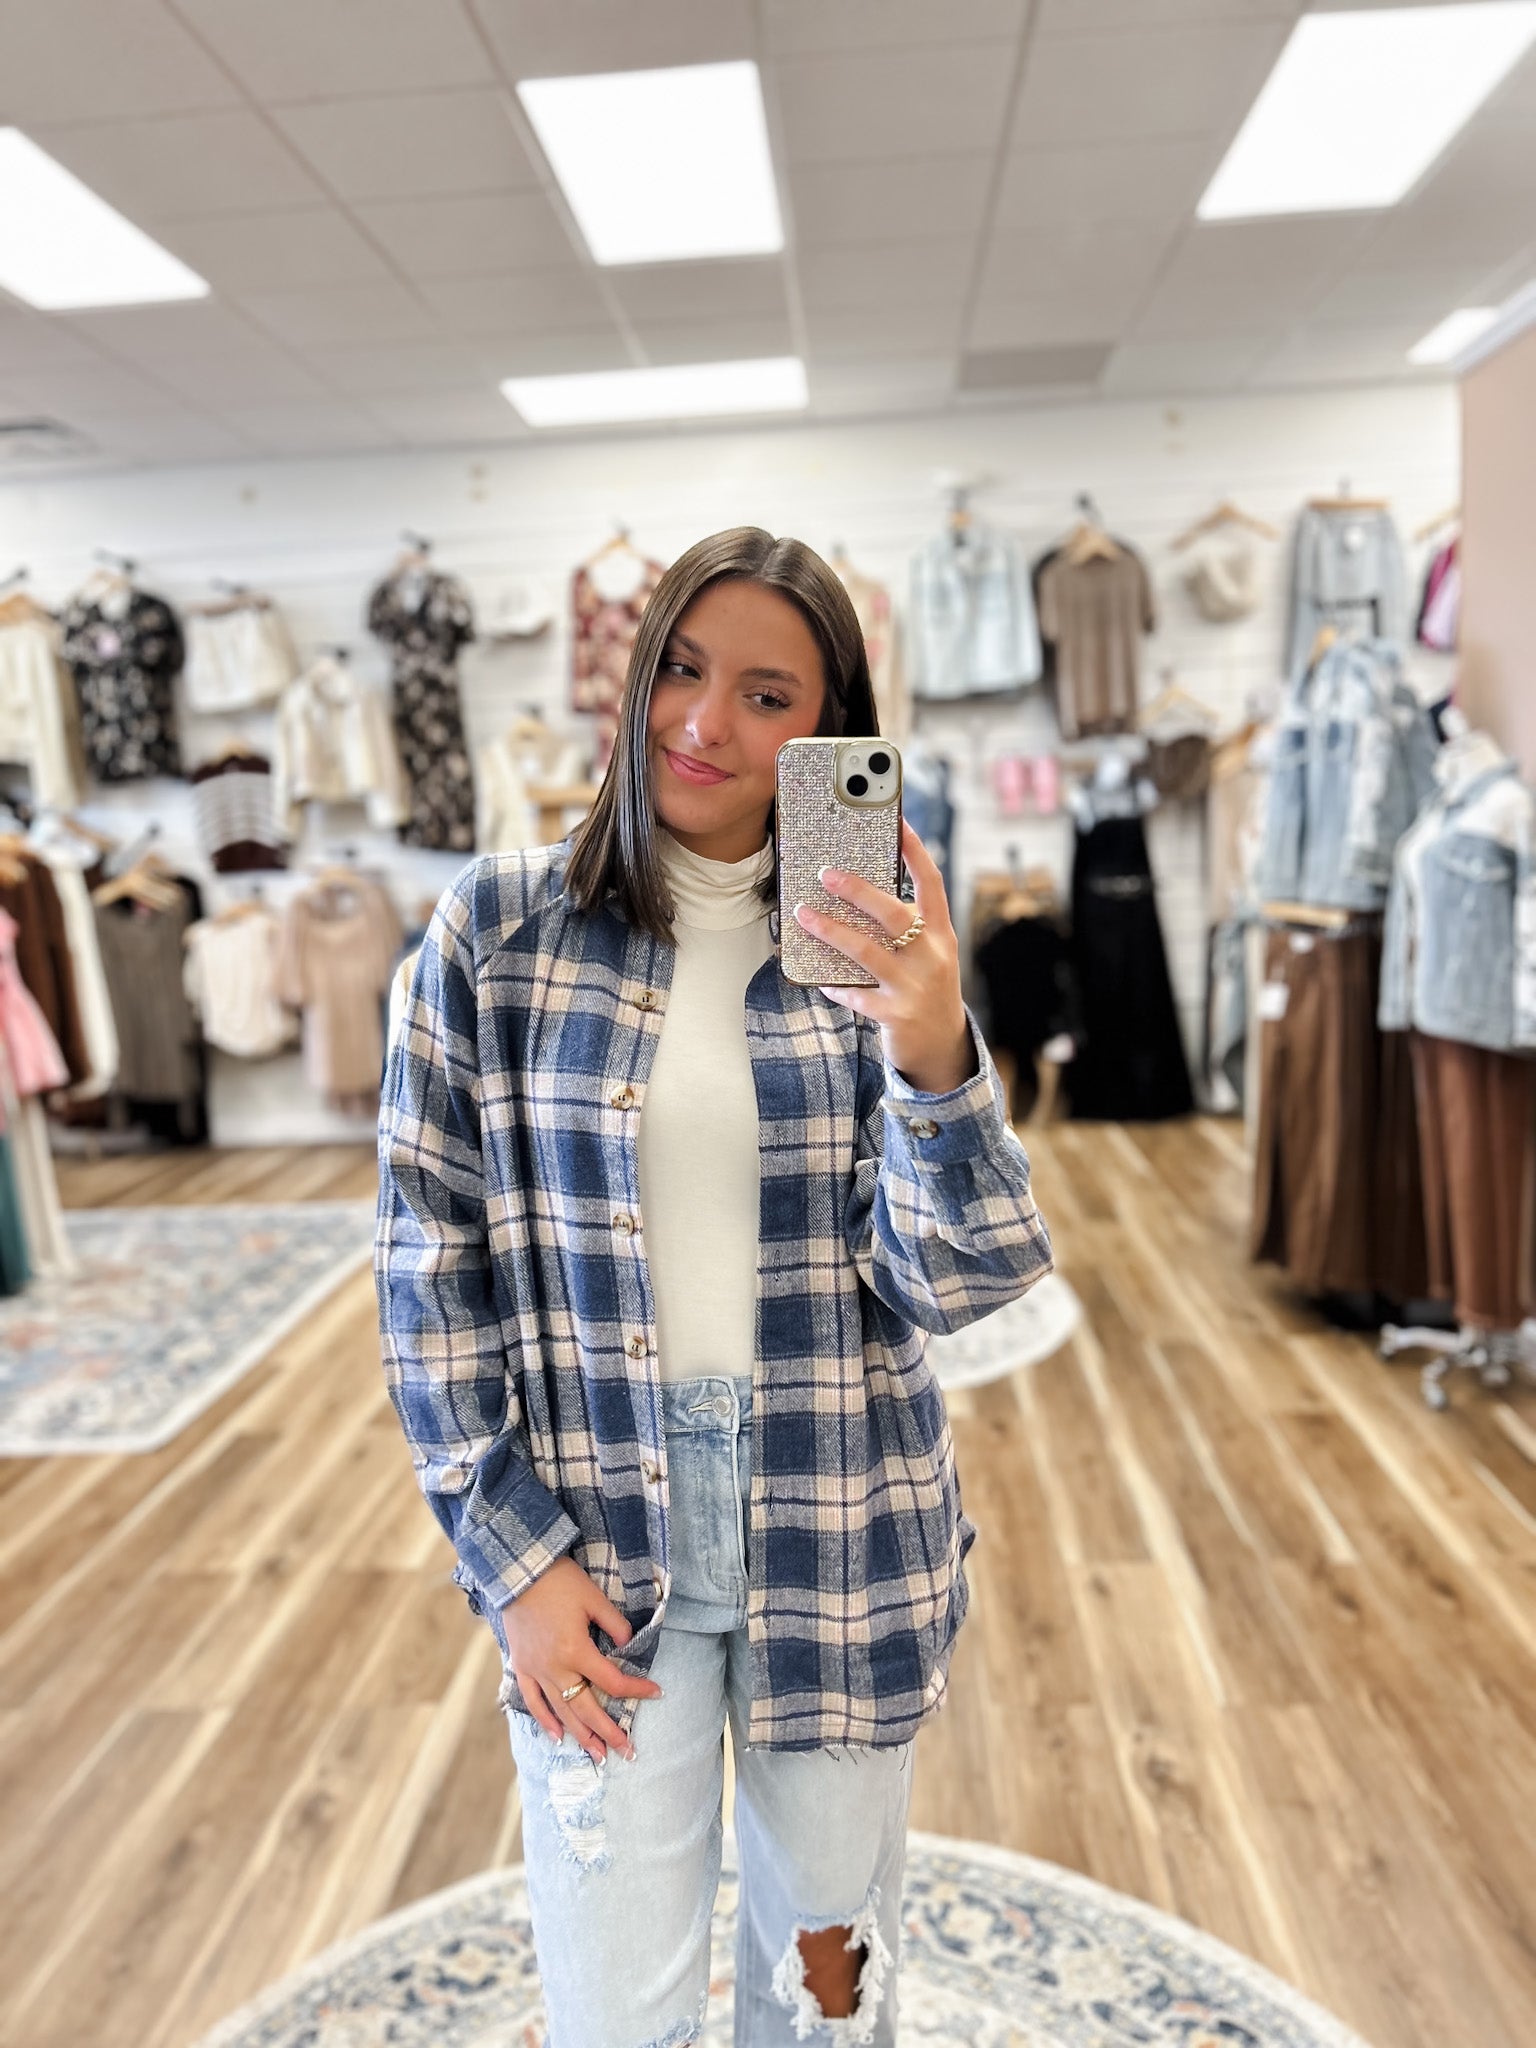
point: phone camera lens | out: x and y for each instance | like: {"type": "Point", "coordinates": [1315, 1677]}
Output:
{"type": "Point", "coordinates": [879, 763]}
{"type": "Point", "coordinates": [858, 785]}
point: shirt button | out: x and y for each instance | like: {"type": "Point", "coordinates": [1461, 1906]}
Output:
{"type": "Point", "coordinates": [650, 1473]}
{"type": "Point", "coordinates": [646, 1000]}
{"type": "Point", "coordinates": [625, 1225]}
{"type": "Point", "coordinates": [656, 1583]}
{"type": "Point", "coordinates": [636, 1347]}
{"type": "Point", "coordinates": [922, 1127]}
{"type": "Point", "coordinates": [622, 1098]}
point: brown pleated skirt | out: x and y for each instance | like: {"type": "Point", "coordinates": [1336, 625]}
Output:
{"type": "Point", "coordinates": [1476, 1111]}
{"type": "Point", "coordinates": [1338, 1191]}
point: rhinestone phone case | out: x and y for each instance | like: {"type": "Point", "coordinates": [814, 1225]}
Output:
{"type": "Point", "coordinates": [816, 829]}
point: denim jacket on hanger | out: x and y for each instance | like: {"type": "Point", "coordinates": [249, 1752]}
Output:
{"type": "Point", "coordinates": [1351, 769]}
{"type": "Point", "coordinates": [1459, 950]}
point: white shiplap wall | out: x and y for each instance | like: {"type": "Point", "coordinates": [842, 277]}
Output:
{"type": "Point", "coordinates": [317, 534]}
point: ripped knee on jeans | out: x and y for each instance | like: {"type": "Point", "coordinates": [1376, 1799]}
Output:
{"type": "Point", "coordinates": [576, 1799]}
{"type": "Point", "coordinates": [792, 1985]}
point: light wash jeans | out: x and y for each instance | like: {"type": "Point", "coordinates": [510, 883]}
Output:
{"type": "Point", "coordinates": [623, 1859]}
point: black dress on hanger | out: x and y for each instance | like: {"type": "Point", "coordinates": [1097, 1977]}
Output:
{"type": "Point", "coordinates": [1130, 1067]}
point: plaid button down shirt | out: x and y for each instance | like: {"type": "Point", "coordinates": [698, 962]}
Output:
{"type": "Point", "coordinates": [519, 1326]}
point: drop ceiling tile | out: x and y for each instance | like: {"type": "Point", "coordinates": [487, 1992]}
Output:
{"type": "Point", "coordinates": [561, 352]}
{"type": "Point", "coordinates": [894, 103]}
{"type": "Point", "coordinates": [167, 334]}
{"type": "Point", "coordinates": [710, 291]}
{"type": "Point", "coordinates": [149, 440]}
{"type": "Point", "coordinates": [1156, 182]}
{"type": "Point", "coordinates": [100, 387]}
{"type": "Point", "coordinates": [274, 252]}
{"type": "Point", "coordinates": [1420, 294]}
{"type": "Point", "coordinates": [905, 200]}
{"type": "Point", "coordinates": [1044, 322]}
{"type": "Point", "coordinates": [1079, 17]}
{"type": "Point", "coordinates": [898, 384]}
{"type": "Point", "coordinates": [1068, 258]}
{"type": "Point", "coordinates": [30, 337]}
{"type": "Point", "coordinates": [94, 60]}
{"type": "Point", "coordinates": [525, 302]}
{"type": "Point", "coordinates": [296, 50]}
{"type": "Point", "coordinates": [885, 274]}
{"type": "Point", "coordinates": [553, 39]}
{"type": "Point", "coordinates": [411, 145]}
{"type": "Point", "coordinates": [1228, 278]}
{"type": "Point", "coordinates": [183, 166]}
{"type": "Point", "coordinates": [308, 427]}
{"type": "Point", "coordinates": [455, 237]}
{"type": "Point", "coordinates": [715, 341]}
{"type": "Point", "coordinates": [334, 315]}
{"type": "Point", "coordinates": [812, 28]}
{"type": "Point", "coordinates": [1338, 355]}
{"type": "Point", "coordinates": [450, 418]}
{"type": "Point", "coordinates": [1151, 368]}
{"type": "Point", "coordinates": [1191, 82]}
{"type": "Point", "coordinates": [850, 337]}
{"type": "Point", "coordinates": [400, 367]}
{"type": "Point", "coordinates": [216, 383]}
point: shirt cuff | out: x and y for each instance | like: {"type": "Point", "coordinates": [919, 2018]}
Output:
{"type": "Point", "coordinates": [945, 1130]}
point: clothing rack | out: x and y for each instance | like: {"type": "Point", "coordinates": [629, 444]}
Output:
{"type": "Point", "coordinates": [1491, 1354]}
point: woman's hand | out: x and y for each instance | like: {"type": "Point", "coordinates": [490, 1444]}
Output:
{"type": "Point", "coordinates": [918, 1004]}
{"type": "Point", "coordinates": [549, 1646]}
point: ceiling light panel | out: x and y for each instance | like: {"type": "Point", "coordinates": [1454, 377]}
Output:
{"type": "Point", "coordinates": [678, 391]}
{"type": "Point", "coordinates": [1455, 332]}
{"type": "Point", "coordinates": [63, 248]}
{"type": "Point", "coordinates": [1361, 103]}
{"type": "Point", "coordinates": [662, 166]}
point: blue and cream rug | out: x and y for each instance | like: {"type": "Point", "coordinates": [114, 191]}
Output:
{"type": "Point", "coordinates": [167, 1308]}
{"type": "Point", "coordinates": [998, 1951]}
{"type": "Point", "coordinates": [1022, 1332]}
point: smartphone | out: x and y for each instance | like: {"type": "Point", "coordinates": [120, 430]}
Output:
{"type": "Point", "coordinates": [838, 805]}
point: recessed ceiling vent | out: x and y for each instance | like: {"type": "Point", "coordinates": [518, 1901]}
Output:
{"type": "Point", "coordinates": [41, 440]}
{"type": "Point", "coordinates": [1033, 369]}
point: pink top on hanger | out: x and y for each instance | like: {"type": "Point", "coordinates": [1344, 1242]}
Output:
{"type": "Point", "coordinates": [32, 1051]}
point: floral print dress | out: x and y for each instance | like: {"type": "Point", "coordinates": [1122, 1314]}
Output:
{"type": "Point", "coordinates": [125, 654]}
{"type": "Point", "coordinates": [424, 619]}
{"type": "Point", "coordinates": [603, 631]}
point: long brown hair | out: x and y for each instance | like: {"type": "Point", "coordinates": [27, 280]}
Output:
{"type": "Point", "coordinates": [614, 848]}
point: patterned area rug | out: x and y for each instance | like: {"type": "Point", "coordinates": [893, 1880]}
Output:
{"type": "Point", "coordinates": [168, 1308]}
{"type": "Point", "coordinates": [998, 1951]}
{"type": "Point", "coordinates": [1020, 1333]}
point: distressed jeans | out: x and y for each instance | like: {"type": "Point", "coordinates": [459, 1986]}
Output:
{"type": "Point", "coordinates": [623, 1859]}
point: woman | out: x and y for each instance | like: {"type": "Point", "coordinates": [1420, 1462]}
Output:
{"type": "Point", "coordinates": [659, 1235]}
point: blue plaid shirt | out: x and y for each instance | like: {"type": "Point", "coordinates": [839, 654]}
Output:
{"type": "Point", "coordinates": [520, 1331]}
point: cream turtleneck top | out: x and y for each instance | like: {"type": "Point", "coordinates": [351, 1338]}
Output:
{"type": "Point", "coordinates": [698, 1122]}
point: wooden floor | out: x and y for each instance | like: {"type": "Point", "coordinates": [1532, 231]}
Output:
{"type": "Point", "coordinates": [1253, 1636]}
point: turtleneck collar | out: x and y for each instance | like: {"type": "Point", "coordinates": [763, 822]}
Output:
{"type": "Point", "coordinates": [714, 895]}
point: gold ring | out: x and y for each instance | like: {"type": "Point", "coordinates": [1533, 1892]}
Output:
{"type": "Point", "coordinates": [569, 1692]}
{"type": "Point", "coordinates": [913, 931]}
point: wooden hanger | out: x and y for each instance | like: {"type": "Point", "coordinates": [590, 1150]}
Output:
{"type": "Point", "coordinates": [1322, 918]}
{"type": "Point", "coordinates": [244, 906]}
{"type": "Point", "coordinates": [1225, 514]}
{"type": "Point", "coordinates": [617, 543]}
{"type": "Point", "coordinates": [20, 609]}
{"type": "Point", "coordinates": [1089, 543]}
{"type": "Point", "coordinates": [1327, 636]}
{"type": "Point", "coordinates": [1344, 501]}
{"type": "Point", "coordinates": [1174, 697]}
{"type": "Point", "coordinates": [1230, 756]}
{"type": "Point", "coordinates": [1451, 516]}
{"type": "Point", "coordinates": [143, 885]}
